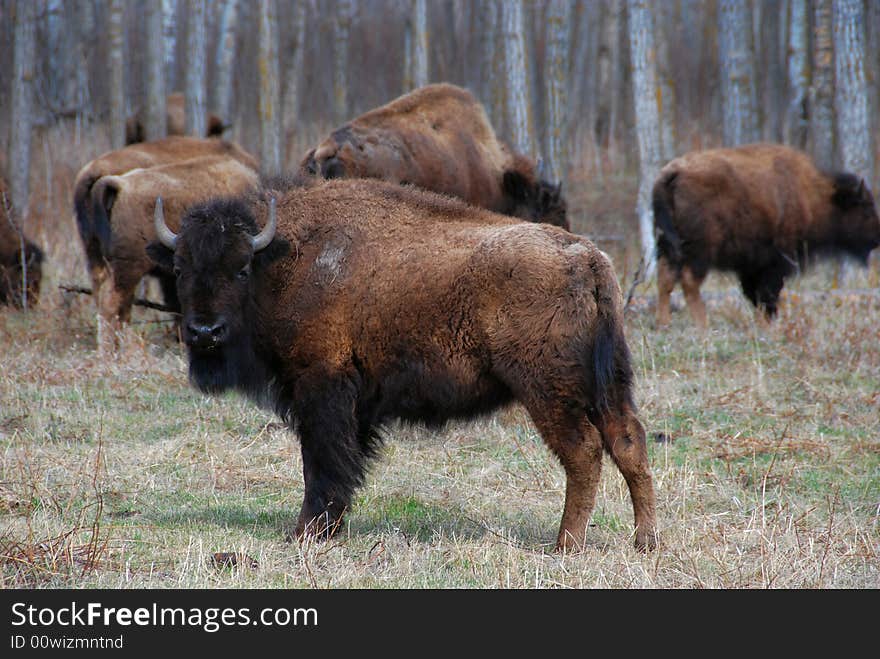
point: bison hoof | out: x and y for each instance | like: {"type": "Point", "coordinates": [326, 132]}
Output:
{"type": "Point", "coordinates": [318, 528]}
{"type": "Point", "coordinates": [646, 541]}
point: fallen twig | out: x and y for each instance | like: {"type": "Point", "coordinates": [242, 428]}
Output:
{"type": "Point", "coordinates": [149, 304]}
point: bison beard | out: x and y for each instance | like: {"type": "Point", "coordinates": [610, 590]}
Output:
{"type": "Point", "coordinates": [313, 332]}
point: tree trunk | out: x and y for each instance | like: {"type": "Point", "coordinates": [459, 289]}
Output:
{"type": "Point", "coordinates": [647, 113]}
{"type": "Point", "coordinates": [822, 89]}
{"type": "Point", "coordinates": [270, 119]}
{"type": "Point", "coordinates": [736, 54]}
{"type": "Point", "coordinates": [115, 38]}
{"type": "Point", "coordinates": [666, 78]}
{"type": "Point", "coordinates": [225, 60]}
{"type": "Point", "coordinates": [851, 92]}
{"type": "Point", "coordinates": [155, 114]}
{"type": "Point", "coordinates": [556, 81]}
{"type": "Point", "coordinates": [798, 74]}
{"type": "Point", "coordinates": [493, 66]}
{"type": "Point", "coordinates": [293, 72]}
{"type": "Point", "coordinates": [420, 43]}
{"type": "Point", "coordinates": [169, 35]}
{"type": "Point", "coordinates": [608, 71]}
{"type": "Point", "coordinates": [516, 76]}
{"type": "Point", "coordinates": [196, 43]}
{"type": "Point", "coordinates": [22, 106]}
{"type": "Point", "coordinates": [342, 26]}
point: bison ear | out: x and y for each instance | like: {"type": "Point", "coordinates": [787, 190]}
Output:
{"type": "Point", "coordinates": [161, 256]}
{"type": "Point", "coordinates": [515, 185]}
{"type": "Point", "coordinates": [216, 126]}
{"type": "Point", "coordinates": [308, 165]}
{"type": "Point", "coordinates": [276, 249]}
{"type": "Point", "coordinates": [849, 191]}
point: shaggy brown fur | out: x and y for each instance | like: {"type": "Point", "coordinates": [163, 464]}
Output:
{"type": "Point", "coordinates": [176, 121]}
{"type": "Point", "coordinates": [762, 211]}
{"type": "Point", "coordinates": [143, 155]}
{"type": "Point", "coordinates": [11, 269]}
{"type": "Point", "coordinates": [439, 138]}
{"type": "Point", "coordinates": [347, 321]}
{"type": "Point", "coordinates": [123, 215]}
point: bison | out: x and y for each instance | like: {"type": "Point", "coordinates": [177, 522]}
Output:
{"type": "Point", "coordinates": [439, 138]}
{"type": "Point", "coordinates": [341, 321]}
{"type": "Point", "coordinates": [137, 156]}
{"type": "Point", "coordinates": [21, 261]}
{"type": "Point", "coordinates": [762, 211]}
{"type": "Point", "coordinates": [122, 213]}
{"type": "Point", "coordinates": [176, 121]}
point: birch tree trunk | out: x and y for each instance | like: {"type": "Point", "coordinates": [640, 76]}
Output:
{"type": "Point", "coordinates": [342, 27]}
{"type": "Point", "coordinates": [851, 92]}
{"type": "Point", "coordinates": [736, 54]}
{"type": "Point", "coordinates": [293, 72]}
{"type": "Point", "coordinates": [75, 37]}
{"type": "Point", "coordinates": [647, 112]}
{"type": "Point", "coordinates": [665, 81]}
{"type": "Point", "coordinates": [516, 76]}
{"type": "Point", "coordinates": [607, 71]}
{"type": "Point", "coordinates": [156, 116]}
{"type": "Point", "coordinates": [225, 60]}
{"type": "Point", "coordinates": [196, 44]}
{"type": "Point", "coordinates": [420, 43]}
{"type": "Point", "coordinates": [115, 38]}
{"type": "Point", "coordinates": [822, 89]}
{"type": "Point", "coordinates": [798, 74]}
{"type": "Point", "coordinates": [169, 32]}
{"type": "Point", "coordinates": [22, 106]}
{"type": "Point", "coordinates": [270, 119]}
{"type": "Point", "coordinates": [556, 81]}
{"type": "Point", "coordinates": [408, 84]}
{"type": "Point", "coordinates": [493, 66]}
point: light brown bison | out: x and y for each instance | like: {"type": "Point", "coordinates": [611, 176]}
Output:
{"type": "Point", "coordinates": [17, 268]}
{"type": "Point", "coordinates": [176, 121]}
{"type": "Point", "coordinates": [342, 321]}
{"type": "Point", "coordinates": [439, 138]}
{"type": "Point", "coordinates": [137, 156]}
{"type": "Point", "coordinates": [122, 212]}
{"type": "Point", "coordinates": [762, 211]}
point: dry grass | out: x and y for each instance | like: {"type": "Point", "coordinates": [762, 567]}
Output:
{"type": "Point", "coordinates": [115, 473]}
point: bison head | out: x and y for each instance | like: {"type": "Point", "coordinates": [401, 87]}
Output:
{"type": "Point", "coordinates": [215, 259]}
{"type": "Point", "coordinates": [535, 200]}
{"type": "Point", "coordinates": [857, 225]}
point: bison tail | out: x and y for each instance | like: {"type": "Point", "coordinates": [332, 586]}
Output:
{"type": "Point", "coordinates": [611, 366]}
{"type": "Point", "coordinates": [104, 193]}
{"type": "Point", "coordinates": [663, 201]}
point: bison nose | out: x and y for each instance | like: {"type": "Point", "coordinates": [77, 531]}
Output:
{"type": "Point", "coordinates": [205, 335]}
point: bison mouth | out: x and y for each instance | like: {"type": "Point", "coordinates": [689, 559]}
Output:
{"type": "Point", "coordinates": [210, 370]}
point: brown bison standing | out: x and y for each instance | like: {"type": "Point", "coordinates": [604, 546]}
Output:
{"type": "Point", "coordinates": [372, 302]}
{"type": "Point", "coordinates": [439, 138]}
{"type": "Point", "coordinates": [762, 211]}
{"type": "Point", "coordinates": [95, 230]}
{"type": "Point", "coordinates": [175, 121]}
{"type": "Point", "coordinates": [122, 212]}
{"type": "Point", "coordinates": [15, 270]}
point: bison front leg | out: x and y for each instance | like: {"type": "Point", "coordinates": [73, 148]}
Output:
{"type": "Point", "coordinates": [333, 461]}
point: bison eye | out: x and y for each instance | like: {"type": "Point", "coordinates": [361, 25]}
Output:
{"type": "Point", "coordinates": [176, 271]}
{"type": "Point", "coordinates": [244, 273]}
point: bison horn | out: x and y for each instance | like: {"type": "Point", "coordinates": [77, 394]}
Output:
{"type": "Point", "coordinates": [166, 236]}
{"type": "Point", "coordinates": [262, 239]}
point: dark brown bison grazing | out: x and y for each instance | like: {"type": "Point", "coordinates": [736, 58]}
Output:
{"type": "Point", "coordinates": [137, 156]}
{"type": "Point", "coordinates": [439, 138]}
{"type": "Point", "coordinates": [122, 214]}
{"type": "Point", "coordinates": [341, 321]}
{"type": "Point", "coordinates": [17, 268]}
{"type": "Point", "coordinates": [762, 211]}
{"type": "Point", "coordinates": [176, 121]}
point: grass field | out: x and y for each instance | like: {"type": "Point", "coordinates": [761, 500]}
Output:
{"type": "Point", "coordinates": [764, 443]}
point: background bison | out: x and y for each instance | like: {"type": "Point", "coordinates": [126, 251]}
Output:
{"type": "Point", "coordinates": [762, 211]}
{"type": "Point", "coordinates": [345, 321]}
{"type": "Point", "coordinates": [17, 268]}
{"type": "Point", "coordinates": [439, 138]}
{"type": "Point", "coordinates": [176, 121]}
{"type": "Point", "coordinates": [123, 209]}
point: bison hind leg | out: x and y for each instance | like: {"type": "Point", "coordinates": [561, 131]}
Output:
{"type": "Point", "coordinates": [762, 288]}
{"type": "Point", "coordinates": [578, 445]}
{"type": "Point", "coordinates": [624, 438]}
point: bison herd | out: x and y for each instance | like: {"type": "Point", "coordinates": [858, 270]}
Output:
{"type": "Point", "coordinates": [409, 287]}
